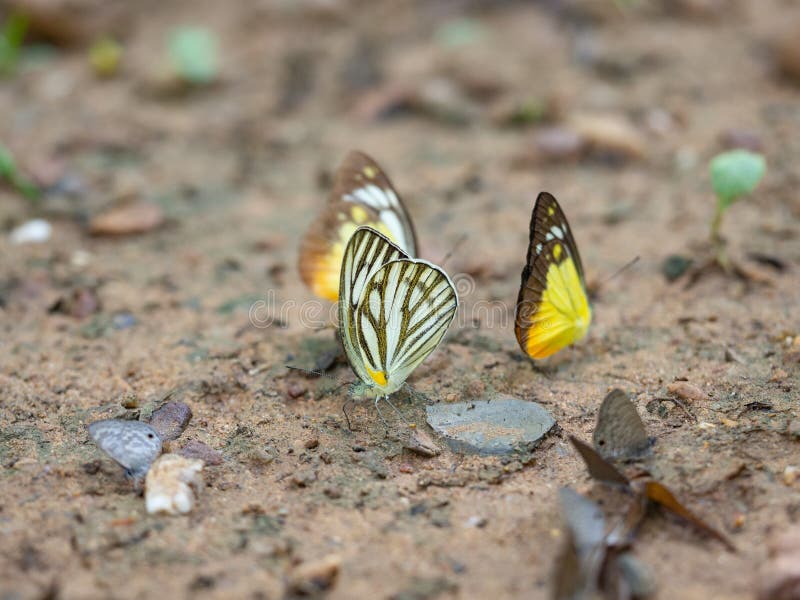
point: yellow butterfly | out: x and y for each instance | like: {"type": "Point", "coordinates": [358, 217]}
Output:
{"type": "Point", "coordinates": [362, 195]}
{"type": "Point", "coordinates": [552, 307]}
{"type": "Point", "coordinates": [393, 311]}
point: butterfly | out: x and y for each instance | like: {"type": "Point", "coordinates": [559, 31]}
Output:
{"type": "Point", "coordinates": [620, 433]}
{"type": "Point", "coordinates": [552, 306]}
{"type": "Point", "coordinates": [132, 444]}
{"type": "Point", "coordinates": [362, 195]}
{"type": "Point", "coordinates": [393, 311]}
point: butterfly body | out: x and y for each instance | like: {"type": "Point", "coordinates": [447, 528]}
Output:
{"type": "Point", "coordinates": [393, 311]}
{"type": "Point", "coordinates": [362, 195]}
{"type": "Point", "coordinates": [553, 308]}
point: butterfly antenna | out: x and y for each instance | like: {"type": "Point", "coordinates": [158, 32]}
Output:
{"type": "Point", "coordinates": [456, 246]}
{"type": "Point", "coordinates": [320, 374]}
{"type": "Point", "coordinates": [619, 271]}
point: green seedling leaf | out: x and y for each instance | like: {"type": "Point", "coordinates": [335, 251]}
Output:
{"type": "Point", "coordinates": [105, 56]}
{"type": "Point", "coordinates": [194, 56]}
{"type": "Point", "coordinates": [735, 174]}
{"type": "Point", "coordinates": [11, 38]}
{"type": "Point", "coordinates": [10, 173]}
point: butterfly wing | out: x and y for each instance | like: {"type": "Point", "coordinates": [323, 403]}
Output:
{"type": "Point", "coordinates": [366, 252]}
{"type": "Point", "coordinates": [362, 195]}
{"type": "Point", "coordinates": [552, 306]}
{"type": "Point", "coordinates": [405, 310]}
{"type": "Point", "coordinates": [548, 222]}
{"type": "Point", "coordinates": [132, 444]}
{"type": "Point", "coordinates": [620, 433]}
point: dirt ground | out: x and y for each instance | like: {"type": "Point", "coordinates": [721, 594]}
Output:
{"type": "Point", "coordinates": [240, 167]}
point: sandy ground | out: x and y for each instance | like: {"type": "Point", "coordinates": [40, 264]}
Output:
{"type": "Point", "coordinates": [239, 171]}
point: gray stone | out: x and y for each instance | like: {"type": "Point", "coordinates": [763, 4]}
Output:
{"type": "Point", "coordinates": [502, 425]}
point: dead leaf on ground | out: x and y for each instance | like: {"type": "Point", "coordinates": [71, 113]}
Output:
{"type": "Point", "coordinates": [661, 495]}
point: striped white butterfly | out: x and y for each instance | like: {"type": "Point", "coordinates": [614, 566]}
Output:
{"type": "Point", "coordinates": [393, 311]}
{"type": "Point", "coordinates": [362, 195]}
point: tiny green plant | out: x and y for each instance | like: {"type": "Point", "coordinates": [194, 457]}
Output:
{"type": "Point", "coordinates": [12, 34]}
{"type": "Point", "coordinates": [734, 174]}
{"type": "Point", "coordinates": [11, 173]}
{"type": "Point", "coordinates": [193, 54]}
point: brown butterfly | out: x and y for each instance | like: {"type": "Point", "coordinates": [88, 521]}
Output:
{"type": "Point", "coordinates": [619, 433]}
{"type": "Point", "coordinates": [362, 195]}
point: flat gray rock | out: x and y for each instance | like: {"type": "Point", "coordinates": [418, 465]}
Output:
{"type": "Point", "coordinates": [503, 425]}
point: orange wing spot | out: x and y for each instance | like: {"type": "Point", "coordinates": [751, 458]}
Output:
{"type": "Point", "coordinates": [379, 377]}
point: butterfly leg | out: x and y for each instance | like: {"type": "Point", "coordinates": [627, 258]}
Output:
{"type": "Point", "coordinates": [378, 409]}
{"type": "Point", "coordinates": [346, 414]}
{"type": "Point", "coordinates": [394, 408]}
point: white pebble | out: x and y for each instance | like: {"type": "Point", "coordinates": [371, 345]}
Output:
{"type": "Point", "coordinates": [172, 483]}
{"type": "Point", "coordinates": [36, 231]}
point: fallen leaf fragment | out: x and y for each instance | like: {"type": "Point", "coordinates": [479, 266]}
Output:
{"type": "Point", "coordinates": [661, 495]}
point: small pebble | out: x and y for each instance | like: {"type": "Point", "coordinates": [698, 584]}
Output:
{"type": "Point", "coordinates": [794, 428]}
{"type": "Point", "coordinates": [201, 451]}
{"type": "Point", "coordinates": [312, 577]}
{"type": "Point", "coordinates": [171, 420]}
{"type": "Point", "coordinates": [790, 475]}
{"type": "Point", "coordinates": [36, 231]}
{"type": "Point", "coordinates": [310, 444]}
{"type": "Point", "coordinates": [477, 521]}
{"type": "Point", "coordinates": [674, 266]}
{"type": "Point", "coordinates": [405, 468]}
{"type": "Point", "coordinates": [610, 135]}
{"type": "Point", "coordinates": [127, 219]}
{"type": "Point", "coordinates": [296, 390]}
{"type": "Point", "coordinates": [172, 483]}
{"type": "Point", "coordinates": [686, 391]}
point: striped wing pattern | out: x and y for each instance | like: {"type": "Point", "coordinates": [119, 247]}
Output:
{"type": "Point", "coordinates": [405, 311]}
{"type": "Point", "coordinates": [362, 195]}
{"type": "Point", "coordinates": [366, 252]}
{"type": "Point", "coordinates": [361, 180]}
{"type": "Point", "coordinates": [393, 310]}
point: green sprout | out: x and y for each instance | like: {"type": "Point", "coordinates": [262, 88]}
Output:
{"type": "Point", "coordinates": [11, 173]}
{"type": "Point", "coordinates": [194, 56]}
{"type": "Point", "coordinates": [12, 34]}
{"type": "Point", "coordinates": [105, 56]}
{"type": "Point", "coordinates": [734, 174]}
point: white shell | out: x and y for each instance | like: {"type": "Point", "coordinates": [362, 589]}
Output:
{"type": "Point", "coordinates": [172, 483]}
{"type": "Point", "coordinates": [33, 232]}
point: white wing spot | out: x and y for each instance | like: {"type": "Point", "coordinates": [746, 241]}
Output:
{"type": "Point", "coordinates": [538, 248]}
{"type": "Point", "coordinates": [556, 231]}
